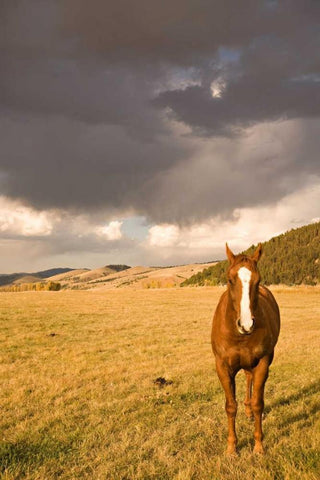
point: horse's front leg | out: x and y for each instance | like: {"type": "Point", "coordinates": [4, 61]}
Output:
{"type": "Point", "coordinates": [227, 380]}
{"type": "Point", "coordinates": [260, 375]}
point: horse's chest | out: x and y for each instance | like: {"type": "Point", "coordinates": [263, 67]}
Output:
{"type": "Point", "coordinates": [246, 358]}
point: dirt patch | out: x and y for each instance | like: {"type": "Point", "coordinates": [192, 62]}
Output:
{"type": "Point", "coordinates": [162, 382]}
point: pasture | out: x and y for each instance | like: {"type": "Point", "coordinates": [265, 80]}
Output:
{"type": "Point", "coordinates": [78, 398]}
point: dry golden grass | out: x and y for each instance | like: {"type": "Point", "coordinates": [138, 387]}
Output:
{"type": "Point", "coordinates": [78, 398]}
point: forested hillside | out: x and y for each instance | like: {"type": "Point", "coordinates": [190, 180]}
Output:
{"type": "Point", "coordinates": [292, 258]}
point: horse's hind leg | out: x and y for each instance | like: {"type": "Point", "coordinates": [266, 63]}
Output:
{"type": "Point", "coordinates": [247, 401]}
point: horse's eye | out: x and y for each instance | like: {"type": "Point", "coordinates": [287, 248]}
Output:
{"type": "Point", "coordinates": [230, 281]}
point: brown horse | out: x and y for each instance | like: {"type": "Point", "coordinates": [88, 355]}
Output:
{"type": "Point", "coordinates": [245, 330]}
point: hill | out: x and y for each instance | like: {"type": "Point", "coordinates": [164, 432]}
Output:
{"type": "Point", "coordinates": [84, 278]}
{"type": "Point", "coordinates": [149, 277]}
{"type": "Point", "coordinates": [52, 271]}
{"type": "Point", "coordinates": [66, 277]}
{"type": "Point", "coordinates": [8, 279]}
{"type": "Point", "coordinates": [27, 279]}
{"type": "Point", "coordinates": [120, 276]}
{"type": "Point", "coordinates": [292, 258]}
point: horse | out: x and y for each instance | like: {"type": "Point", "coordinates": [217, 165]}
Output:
{"type": "Point", "coordinates": [245, 330]}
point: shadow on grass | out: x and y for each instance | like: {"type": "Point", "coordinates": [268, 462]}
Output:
{"type": "Point", "coordinates": [300, 393]}
{"type": "Point", "coordinates": [305, 416]}
{"type": "Point", "coordinates": [23, 455]}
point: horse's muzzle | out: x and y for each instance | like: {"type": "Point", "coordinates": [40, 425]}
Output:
{"type": "Point", "coordinates": [244, 331]}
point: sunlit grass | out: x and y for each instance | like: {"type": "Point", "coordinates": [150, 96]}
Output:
{"type": "Point", "coordinates": [78, 397]}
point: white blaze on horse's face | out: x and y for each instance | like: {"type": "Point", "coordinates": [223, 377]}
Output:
{"type": "Point", "coordinates": [246, 320]}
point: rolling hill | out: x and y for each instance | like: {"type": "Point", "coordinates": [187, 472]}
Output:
{"type": "Point", "coordinates": [27, 279]}
{"type": "Point", "coordinates": [108, 277]}
{"type": "Point", "coordinates": [80, 278]}
{"type": "Point", "coordinates": [120, 276]}
{"type": "Point", "coordinates": [8, 279]}
{"type": "Point", "coordinates": [65, 276]}
{"type": "Point", "coordinates": [292, 258]}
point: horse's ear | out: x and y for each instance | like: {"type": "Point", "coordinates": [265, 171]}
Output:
{"type": "Point", "coordinates": [230, 255]}
{"type": "Point", "coordinates": [257, 254]}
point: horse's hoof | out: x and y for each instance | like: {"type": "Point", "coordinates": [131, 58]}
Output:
{"type": "Point", "coordinates": [232, 454]}
{"type": "Point", "coordinates": [231, 451]}
{"type": "Point", "coordinates": [249, 414]}
{"type": "Point", "coordinates": [258, 449]}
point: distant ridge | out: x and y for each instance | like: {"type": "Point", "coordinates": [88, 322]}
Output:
{"type": "Point", "coordinates": [7, 279]}
{"type": "Point", "coordinates": [118, 268]}
{"type": "Point", "coordinates": [292, 258]}
{"type": "Point", "coordinates": [107, 277]}
{"type": "Point", "coordinates": [52, 271]}
{"type": "Point", "coordinates": [87, 276]}
{"type": "Point", "coordinates": [66, 277]}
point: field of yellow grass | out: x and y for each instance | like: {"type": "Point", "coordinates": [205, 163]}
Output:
{"type": "Point", "coordinates": [78, 398]}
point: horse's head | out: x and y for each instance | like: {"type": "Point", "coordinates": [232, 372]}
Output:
{"type": "Point", "coordinates": [243, 283]}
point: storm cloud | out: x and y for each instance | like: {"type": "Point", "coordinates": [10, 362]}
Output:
{"type": "Point", "coordinates": [175, 110]}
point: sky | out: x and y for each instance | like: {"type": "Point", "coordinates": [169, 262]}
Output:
{"type": "Point", "coordinates": [150, 133]}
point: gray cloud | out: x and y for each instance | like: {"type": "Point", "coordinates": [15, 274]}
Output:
{"type": "Point", "coordinates": [268, 162]}
{"type": "Point", "coordinates": [271, 81]}
{"type": "Point", "coordinates": [55, 163]}
{"type": "Point", "coordinates": [90, 91]}
{"type": "Point", "coordinates": [181, 31]}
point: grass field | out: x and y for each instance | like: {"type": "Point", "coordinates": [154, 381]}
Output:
{"type": "Point", "coordinates": [78, 398]}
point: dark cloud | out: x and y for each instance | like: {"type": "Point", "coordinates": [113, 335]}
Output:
{"type": "Point", "coordinates": [269, 162]}
{"type": "Point", "coordinates": [176, 31]}
{"type": "Point", "coordinates": [246, 102]}
{"type": "Point", "coordinates": [271, 81]}
{"type": "Point", "coordinates": [180, 31]}
{"type": "Point", "coordinates": [54, 163]}
{"type": "Point", "coordinates": [90, 93]}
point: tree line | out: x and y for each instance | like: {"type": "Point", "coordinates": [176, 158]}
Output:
{"type": "Point", "coordinates": [35, 286]}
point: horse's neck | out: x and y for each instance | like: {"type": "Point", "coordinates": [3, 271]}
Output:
{"type": "Point", "coordinates": [231, 313]}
